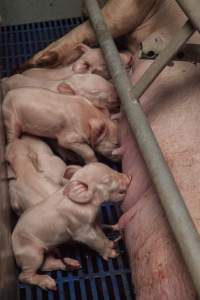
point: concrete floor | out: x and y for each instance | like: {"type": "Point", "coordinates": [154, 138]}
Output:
{"type": "Point", "coordinates": [26, 11]}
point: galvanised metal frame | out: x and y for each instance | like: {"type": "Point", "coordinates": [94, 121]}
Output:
{"type": "Point", "coordinates": [188, 52]}
{"type": "Point", "coordinates": [177, 214]}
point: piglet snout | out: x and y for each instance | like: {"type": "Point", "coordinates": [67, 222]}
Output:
{"type": "Point", "coordinates": [124, 184]}
{"type": "Point", "coordinates": [127, 59]}
{"type": "Point", "coordinates": [130, 61]}
{"type": "Point", "coordinates": [130, 178]}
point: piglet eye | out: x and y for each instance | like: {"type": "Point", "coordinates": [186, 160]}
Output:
{"type": "Point", "coordinates": [122, 190]}
{"type": "Point", "coordinates": [87, 65]}
{"type": "Point", "coordinates": [106, 180]}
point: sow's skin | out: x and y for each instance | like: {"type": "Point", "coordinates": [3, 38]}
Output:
{"type": "Point", "coordinates": [95, 88]}
{"type": "Point", "coordinates": [74, 122]}
{"type": "Point", "coordinates": [34, 173]}
{"type": "Point", "coordinates": [69, 214]}
{"type": "Point", "coordinates": [172, 106]}
{"type": "Point", "coordinates": [90, 60]}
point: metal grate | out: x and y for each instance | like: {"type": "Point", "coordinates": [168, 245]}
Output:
{"type": "Point", "coordinates": [19, 42]}
{"type": "Point", "coordinates": [98, 279]}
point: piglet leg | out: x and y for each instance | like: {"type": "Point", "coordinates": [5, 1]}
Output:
{"type": "Point", "coordinates": [85, 151]}
{"type": "Point", "coordinates": [82, 149]}
{"type": "Point", "coordinates": [114, 227]}
{"type": "Point", "coordinates": [31, 260]}
{"type": "Point", "coordinates": [118, 151]}
{"type": "Point", "coordinates": [71, 264]}
{"type": "Point", "coordinates": [116, 116]}
{"type": "Point", "coordinates": [96, 239]}
{"type": "Point", "coordinates": [51, 263]}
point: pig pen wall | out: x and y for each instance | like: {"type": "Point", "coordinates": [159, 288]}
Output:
{"type": "Point", "coordinates": [97, 279]}
{"type": "Point", "coordinates": [8, 283]}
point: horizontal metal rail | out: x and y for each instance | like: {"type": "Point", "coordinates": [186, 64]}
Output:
{"type": "Point", "coordinates": [192, 9]}
{"type": "Point", "coordinates": [177, 214]}
{"type": "Point", "coordinates": [188, 53]}
{"type": "Point", "coordinates": [163, 59]}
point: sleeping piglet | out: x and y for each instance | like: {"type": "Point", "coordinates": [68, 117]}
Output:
{"type": "Point", "coordinates": [69, 214]}
{"type": "Point", "coordinates": [34, 171]}
{"type": "Point", "coordinates": [74, 122]}
{"type": "Point", "coordinates": [90, 60]}
{"type": "Point", "coordinates": [94, 87]}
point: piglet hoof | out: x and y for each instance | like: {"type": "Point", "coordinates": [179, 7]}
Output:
{"type": "Point", "coordinates": [114, 227]}
{"type": "Point", "coordinates": [116, 116]}
{"type": "Point", "coordinates": [71, 264]}
{"type": "Point", "coordinates": [91, 160]}
{"type": "Point", "coordinates": [47, 283]}
{"type": "Point", "coordinates": [110, 253]}
{"type": "Point", "coordinates": [117, 239]}
{"type": "Point", "coordinates": [118, 152]}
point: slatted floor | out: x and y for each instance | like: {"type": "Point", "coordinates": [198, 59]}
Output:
{"type": "Point", "coordinates": [97, 279]}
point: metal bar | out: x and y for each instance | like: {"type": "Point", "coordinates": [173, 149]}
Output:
{"type": "Point", "coordinates": [163, 59]}
{"type": "Point", "coordinates": [188, 52]}
{"type": "Point", "coordinates": [170, 197]}
{"type": "Point", "coordinates": [192, 9]}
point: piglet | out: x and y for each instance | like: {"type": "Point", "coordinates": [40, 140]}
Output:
{"type": "Point", "coordinates": [34, 172]}
{"type": "Point", "coordinates": [44, 159]}
{"type": "Point", "coordinates": [90, 60]}
{"type": "Point", "coordinates": [94, 87]}
{"type": "Point", "coordinates": [70, 214]}
{"type": "Point", "coordinates": [75, 122]}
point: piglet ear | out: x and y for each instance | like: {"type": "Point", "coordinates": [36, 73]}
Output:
{"type": "Point", "coordinates": [101, 105]}
{"type": "Point", "coordinates": [104, 110]}
{"type": "Point", "coordinates": [10, 173]}
{"type": "Point", "coordinates": [97, 131]}
{"type": "Point", "coordinates": [35, 161]}
{"type": "Point", "coordinates": [70, 170]}
{"type": "Point", "coordinates": [78, 192]}
{"type": "Point", "coordinates": [64, 88]}
{"type": "Point", "coordinates": [82, 48]}
{"type": "Point", "coordinates": [81, 66]}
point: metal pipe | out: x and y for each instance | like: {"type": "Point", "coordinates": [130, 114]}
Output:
{"type": "Point", "coordinates": [192, 9]}
{"type": "Point", "coordinates": [170, 197]}
{"type": "Point", "coordinates": [163, 59]}
{"type": "Point", "coordinates": [188, 52]}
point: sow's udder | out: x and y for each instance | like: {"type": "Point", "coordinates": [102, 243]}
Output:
{"type": "Point", "coordinates": [158, 269]}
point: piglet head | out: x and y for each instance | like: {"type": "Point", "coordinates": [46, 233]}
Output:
{"type": "Point", "coordinates": [77, 189]}
{"type": "Point", "coordinates": [100, 180]}
{"type": "Point", "coordinates": [91, 61]}
{"type": "Point", "coordinates": [119, 184]}
{"type": "Point", "coordinates": [112, 184]}
{"type": "Point", "coordinates": [104, 137]}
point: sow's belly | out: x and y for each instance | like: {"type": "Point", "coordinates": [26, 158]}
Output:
{"type": "Point", "coordinates": [172, 105]}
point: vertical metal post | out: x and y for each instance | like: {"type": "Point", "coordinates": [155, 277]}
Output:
{"type": "Point", "coordinates": [177, 214]}
{"type": "Point", "coordinates": [192, 9]}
